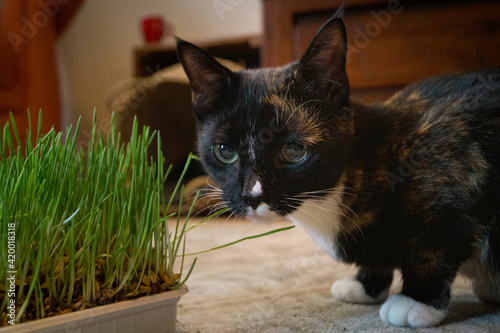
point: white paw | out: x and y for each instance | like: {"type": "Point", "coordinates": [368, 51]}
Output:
{"type": "Point", "coordinates": [350, 290]}
{"type": "Point", "coordinates": [400, 310]}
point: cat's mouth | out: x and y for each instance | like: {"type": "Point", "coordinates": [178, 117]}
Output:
{"type": "Point", "coordinates": [262, 212]}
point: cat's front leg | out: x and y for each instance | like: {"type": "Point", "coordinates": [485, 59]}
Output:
{"type": "Point", "coordinates": [422, 303]}
{"type": "Point", "coordinates": [369, 286]}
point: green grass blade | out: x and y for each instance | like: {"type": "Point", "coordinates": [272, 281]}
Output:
{"type": "Point", "coordinates": [240, 240]}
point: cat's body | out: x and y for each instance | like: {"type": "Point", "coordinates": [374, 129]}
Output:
{"type": "Point", "coordinates": [410, 184]}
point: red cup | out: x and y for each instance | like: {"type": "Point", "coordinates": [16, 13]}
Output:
{"type": "Point", "coordinates": [152, 28]}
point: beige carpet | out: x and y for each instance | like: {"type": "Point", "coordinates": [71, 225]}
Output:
{"type": "Point", "coordinates": [281, 283]}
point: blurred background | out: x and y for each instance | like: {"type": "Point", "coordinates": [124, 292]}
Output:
{"type": "Point", "coordinates": [98, 50]}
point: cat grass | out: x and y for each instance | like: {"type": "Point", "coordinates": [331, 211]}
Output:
{"type": "Point", "coordinates": [89, 227]}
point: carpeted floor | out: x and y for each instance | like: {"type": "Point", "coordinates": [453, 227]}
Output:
{"type": "Point", "coordinates": [281, 283]}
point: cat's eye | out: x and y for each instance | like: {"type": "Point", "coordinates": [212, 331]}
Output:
{"type": "Point", "coordinates": [293, 152]}
{"type": "Point", "coordinates": [225, 153]}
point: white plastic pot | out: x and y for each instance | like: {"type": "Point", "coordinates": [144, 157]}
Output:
{"type": "Point", "coordinates": [154, 313]}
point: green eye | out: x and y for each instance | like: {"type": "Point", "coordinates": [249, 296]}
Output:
{"type": "Point", "coordinates": [225, 154]}
{"type": "Point", "coordinates": [293, 152]}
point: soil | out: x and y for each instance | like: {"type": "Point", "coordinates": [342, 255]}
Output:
{"type": "Point", "coordinates": [53, 306]}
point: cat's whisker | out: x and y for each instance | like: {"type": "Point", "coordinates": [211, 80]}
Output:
{"type": "Point", "coordinates": [220, 213]}
{"type": "Point", "coordinates": [318, 220]}
{"type": "Point", "coordinates": [324, 215]}
{"type": "Point", "coordinates": [319, 195]}
{"type": "Point", "coordinates": [329, 211]}
{"type": "Point", "coordinates": [344, 232]}
{"type": "Point", "coordinates": [209, 201]}
{"type": "Point", "coordinates": [203, 194]}
{"type": "Point", "coordinates": [342, 189]}
{"type": "Point", "coordinates": [300, 209]}
{"type": "Point", "coordinates": [233, 212]}
{"type": "Point", "coordinates": [215, 207]}
{"type": "Point", "coordinates": [210, 209]}
{"type": "Point", "coordinates": [220, 205]}
{"type": "Point", "coordinates": [235, 215]}
{"type": "Point", "coordinates": [209, 197]}
{"type": "Point", "coordinates": [354, 219]}
{"type": "Point", "coordinates": [213, 187]}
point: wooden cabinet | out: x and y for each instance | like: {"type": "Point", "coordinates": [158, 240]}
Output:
{"type": "Point", "coordinates": [390, 43]}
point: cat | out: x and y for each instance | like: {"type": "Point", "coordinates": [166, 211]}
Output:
{"type": "Point", "coordinates": [412, 183]}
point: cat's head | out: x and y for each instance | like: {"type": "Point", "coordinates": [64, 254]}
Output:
{"type": "Point", "coordinates": [271, 138]}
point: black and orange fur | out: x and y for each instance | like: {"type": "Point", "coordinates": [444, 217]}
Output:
{"type": "Point", "coordinates": [417, 178]}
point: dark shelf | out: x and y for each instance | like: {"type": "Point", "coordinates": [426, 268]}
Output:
{"type": "Point", "coordinates": [152, 58]}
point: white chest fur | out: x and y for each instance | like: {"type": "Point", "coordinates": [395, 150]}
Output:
{"type": "Point", "coordinates": [321, 219]}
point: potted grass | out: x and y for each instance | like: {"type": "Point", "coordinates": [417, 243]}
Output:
{"type": "Point", "coordinates": [85, 241]}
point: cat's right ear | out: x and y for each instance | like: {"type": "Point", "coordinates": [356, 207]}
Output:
{"type": "Point", "coordinates": [321, 70]}
{"type": "Point", "coordinates": [209, 80]}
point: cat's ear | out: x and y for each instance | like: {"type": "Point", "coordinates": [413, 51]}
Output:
{"type": "Point", "coordinates": [321, 69]}
{"type": "Point", "coordinates": [209, 79]}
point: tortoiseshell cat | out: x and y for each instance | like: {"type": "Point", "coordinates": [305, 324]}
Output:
{"type": "Point", "coordinates": [410, 184]}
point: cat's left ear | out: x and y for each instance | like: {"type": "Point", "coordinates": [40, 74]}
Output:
{"type": "Point", "coordinates": [321, 69]}
{"type": "Point", "coordinates": [209, 79]}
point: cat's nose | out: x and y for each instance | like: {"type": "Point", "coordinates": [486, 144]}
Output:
{"type": "Point", "coordinates": [253, 193]}
{"type": "Point", "coordinates": [252, 200]}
